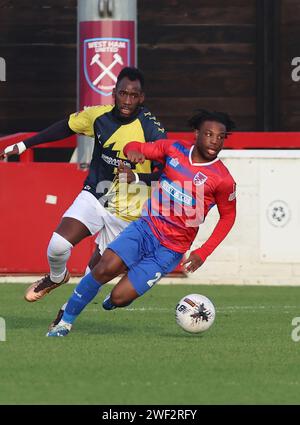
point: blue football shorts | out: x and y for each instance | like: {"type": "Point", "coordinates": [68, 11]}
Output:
{"type": "Point", "coordinates": [146, 259]}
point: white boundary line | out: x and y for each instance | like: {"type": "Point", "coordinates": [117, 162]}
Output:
{"type": "Point", "coordinates": [219, 309]}
{"type": "Point", "coordinates": [259, 153]}
{"type": "Point", "coordinates": [76, 280]}
{"type": "Point", "coordinates": [164, 281]}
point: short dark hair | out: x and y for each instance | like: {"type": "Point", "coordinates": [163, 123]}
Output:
{"type": "Point", "coordinates": [132, 74]}
{"type": "Point", "coordinates": [203, 115]}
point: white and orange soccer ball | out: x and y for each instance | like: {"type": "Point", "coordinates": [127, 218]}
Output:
{"type": "Point", "coordinates": [195, 313]}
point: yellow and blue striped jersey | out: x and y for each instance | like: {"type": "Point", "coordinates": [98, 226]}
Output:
{"type": "Point", "coordinates": [111, 134]}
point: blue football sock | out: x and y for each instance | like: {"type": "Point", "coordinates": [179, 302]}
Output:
{"type": "Point", "coordinates": [85, 291]}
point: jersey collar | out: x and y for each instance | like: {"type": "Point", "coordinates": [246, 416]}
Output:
{"type": "Point", "coordinates": [200, 164]}
{"type": "Point", "coordinates": [124, 120]}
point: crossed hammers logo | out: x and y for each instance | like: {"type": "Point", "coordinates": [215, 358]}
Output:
{"type": "Point", "coordinates": [106, 69]}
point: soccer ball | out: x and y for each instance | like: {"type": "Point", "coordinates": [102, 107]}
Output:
{"type": "Point", "coordinates": [195, 313]}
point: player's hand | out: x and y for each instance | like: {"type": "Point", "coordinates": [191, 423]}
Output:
{"type": "Point", "coordinates": [192, 263]}
{"type": "Point", "coordinates": [16, 149]}
{"type": "Point", "coordinates": [13, 151]}
{"type": "Point", "coordinates": [136, 157]}
{"type": "Point", "coordinates": [125, 174]}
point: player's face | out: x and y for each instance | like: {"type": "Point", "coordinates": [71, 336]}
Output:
{"type": "Point", "coordinates": [128, 96]}
{"type": "Point", "coordinates": [210, 139]}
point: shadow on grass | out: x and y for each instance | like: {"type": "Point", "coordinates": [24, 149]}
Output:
{"type": "Point", "coordinates": [85, 326]}
{"type": "Point", "coordinates": [32, 323]}
{"type": "Point", "coordinates": [181, 335]}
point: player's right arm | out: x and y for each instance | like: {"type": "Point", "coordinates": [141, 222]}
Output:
{"type": "Point", "coordinates": [80, 123]}
{"type": "Point", "coordinates": [57, 131]}
{"type": "Point", "coordinates": [138, 152]}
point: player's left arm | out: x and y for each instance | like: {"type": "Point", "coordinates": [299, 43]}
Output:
{"type": "Point", "coordinates": [226, 202]}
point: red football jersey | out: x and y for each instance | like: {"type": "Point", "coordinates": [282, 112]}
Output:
{"type": "Point", "coordinates": [185, 193]}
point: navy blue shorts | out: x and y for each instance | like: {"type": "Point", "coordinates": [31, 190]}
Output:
{"type": "Point", "coordinates": [146, 259]}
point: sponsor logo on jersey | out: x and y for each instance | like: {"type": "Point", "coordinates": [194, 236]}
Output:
{"type": "Point", "coordinates": [176, 194]}
{"type": "Point", "coordinates": [104, 58]}
{"type": "Point", "coordinates": [114, 161]}
{"type": "Point", "coordinates": [199, 178]}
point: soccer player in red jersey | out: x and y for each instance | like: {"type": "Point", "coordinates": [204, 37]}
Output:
{"type": "Point", "coordinates": [193, 180]}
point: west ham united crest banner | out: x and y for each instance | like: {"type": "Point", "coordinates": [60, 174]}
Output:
{"type": "Point", "coordinates": [105, 48]}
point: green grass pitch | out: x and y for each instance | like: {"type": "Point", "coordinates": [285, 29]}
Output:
{"type": "Point", "coordinates": [139, 355]}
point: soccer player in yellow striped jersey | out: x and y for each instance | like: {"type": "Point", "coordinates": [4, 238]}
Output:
{"type": "Point", "coordinates": [99, 207]}
{"type": "Point", "coordinates": [112, 133]}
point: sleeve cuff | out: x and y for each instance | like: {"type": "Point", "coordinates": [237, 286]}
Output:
{"type": "Point", "coordinates": [137, 179]}
{"type": "Point", "coordinates": [21, 147]}
{"type": "Point", "coordinates": [200, 254]}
